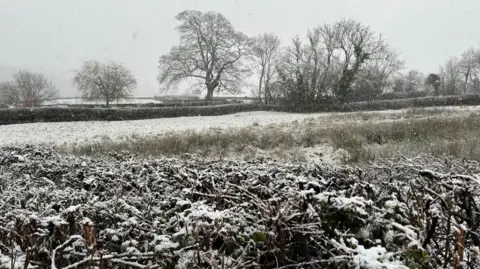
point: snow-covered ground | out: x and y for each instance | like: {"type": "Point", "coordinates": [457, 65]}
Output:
{"type": "Point", "coordinates": [58, 133]}
{"type": "Point", "coordinates": [61, 133]}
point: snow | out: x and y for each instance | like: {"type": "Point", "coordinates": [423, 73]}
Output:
{"type": "Point", "coordinates": [163, 243]}
{"type": "Point", "coordinates": [184, 200]}
{"type": "Point", "coordinates": [74, 133]}
{"type": "Point", "coordinates": [60, 133]}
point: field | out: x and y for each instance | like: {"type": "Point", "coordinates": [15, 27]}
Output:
{"type": "Point", "coordinates": [379, 189]}
{"type": "Point", "coordinates": [326, 137]}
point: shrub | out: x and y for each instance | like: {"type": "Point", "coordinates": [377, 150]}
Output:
{"type": "Point", "coordinates": [122, 211]}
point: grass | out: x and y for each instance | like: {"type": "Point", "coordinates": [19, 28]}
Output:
{"type": "Point", "coordinates": [366, 136]}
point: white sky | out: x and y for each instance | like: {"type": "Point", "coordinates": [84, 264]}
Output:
{"type": "Point", "coordinates": [55, 36]}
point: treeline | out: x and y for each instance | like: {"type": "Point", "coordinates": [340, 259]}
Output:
{"type": "Point", "coordinates": [336, 63]}
{"type": "Point", "coordinates": [333, 63]}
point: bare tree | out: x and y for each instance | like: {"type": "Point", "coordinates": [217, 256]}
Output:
{"type": "Point", "coordinates": [413, 81]}
{"type": "Point", "coordinates": [377, 74]}
{"type": "Point", "coordinates": [299, 72]}
{"type": "Point", "coordinates": [210, 52]}
{"type": "Point", "coordinates": [451, 76]}
{"type": "Point", "coordinates": [332, 58]}
{"type": "Point", "coordinates": [469, 66]}
{"type": "Point", "coordinates": [476, 85]}
{"type": "Point", "coordinates": [8, 93]}
{"type": "Point", "coordinates": [398, 84]}
{"type": "Point", "coordinates": [108, 82]}
{"type": "Point", "coordinates": [266, 53]}
{"type": "Point", "coordinates": [357, 44]}
{"type": "Point", "coordinates": [28, 89]}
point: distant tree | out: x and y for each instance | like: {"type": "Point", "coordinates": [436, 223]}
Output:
{"type": "Point", "coordinates": [329, 62]}
{"type": "Point", "coordinates": [451, 76]}
{"type": "Point", "coordinates": [476, 85]}
{"type": "Point", "coordinates": [434, 81]}
{"type": "Point", "coordinates": [266, 54]}
{"type": "Point", "coordinates": [28, 89]}
{"type": "Point", "coordinates": [413, 80]}
{"type": "Point", "coordinates": [399, 84]}
{"type": "Point", "coordinates": [469, 66]}
{"type": "Point", "coordinates": [357, 44]}
{"type": "Point", "coordinates": [377, 74]}
{"type": "Point", "coordinates": [108, 82]}
{"type": "Point", "coordinates": [8, 93]}
{"type": "Point", "coordinates": [210, 52]}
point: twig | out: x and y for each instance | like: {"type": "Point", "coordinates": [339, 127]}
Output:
{"type": "Point", "coordinates": [62, 246]}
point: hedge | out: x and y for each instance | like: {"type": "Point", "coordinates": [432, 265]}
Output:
{"type": "Point", "coordinates": [176, 103]}
{"type": "Point", "coordinates": [57, 114]}
{"type": "Point", "coordinates": [430, 101]}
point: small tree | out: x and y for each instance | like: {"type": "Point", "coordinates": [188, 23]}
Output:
{"type": "Point", "coordinates": [413, 80]}
{"type": "Point", "coordinates": [28, 89]}
{"type": "Point", "coordinates": [399, 84]}
{"type": "Point", "coordinates": [210, 52]}
{"type": "Point", "coordinates": [108, 82]}
{"type": "Point", "coordinates": [434, 81]}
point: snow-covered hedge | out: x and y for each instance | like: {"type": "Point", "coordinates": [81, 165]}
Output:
{"type": "Point", "coordinates": [150, 104]}
{"type": "Point", "coordinates": [62, 114]}
{"type": "Point", "coordinates": [122, 212]}
{"type": "Point", "coordinates": [428, 101]}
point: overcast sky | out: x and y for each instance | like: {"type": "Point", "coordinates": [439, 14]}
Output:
{"type": "Point", "coordinates": [55, 36]}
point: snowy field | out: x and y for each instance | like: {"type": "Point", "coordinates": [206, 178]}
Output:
{"type": "Point", "coordinates": [57, 133]}
{"type": "Point", "coordinates": [63, 133]}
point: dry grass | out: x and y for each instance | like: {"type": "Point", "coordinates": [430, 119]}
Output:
{"type": "Point", "coordinates": [367, 136]}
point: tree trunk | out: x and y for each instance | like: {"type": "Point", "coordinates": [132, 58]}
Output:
{"type": "Point", "coordinates": [211, 86]}
{"type": "Point", "coordinates": [266, 98]}
{"type": "Point", "coordinates": [209, 96]}
{"type": "Point", "coordinates": [260, 85]}
{"type": "Point", "coordinates": [266, 90]}
{"type": "Point", "coordinates": [465, 86]}
{"type": "Point", "coordinates": [108, 103]}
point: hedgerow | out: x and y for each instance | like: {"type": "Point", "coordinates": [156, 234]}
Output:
{"type": "Point", "coordinates": [58, 114]}
{"type": "Point", "coordinates": [121, 211]}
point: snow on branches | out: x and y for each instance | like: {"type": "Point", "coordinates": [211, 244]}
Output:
{"type": "Point", "coordinates": [125, 212]}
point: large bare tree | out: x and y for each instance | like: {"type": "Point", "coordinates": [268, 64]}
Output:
{"type": "Point", "coordinates": [266, 54]}
{"type": "Point", "coordinates": [210, 53]}
{"type": "Point", "coordinates": [108, 82]}
{"type": "Point", "coordinates": [28, 89]}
